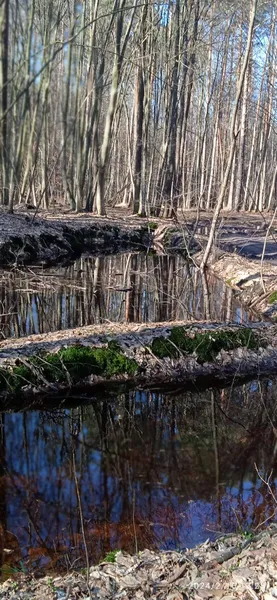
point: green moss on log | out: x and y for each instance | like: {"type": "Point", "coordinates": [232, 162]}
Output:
{"type": "Point", "coordinates": [68, 365]}
{"type": "Point", "coordinates": [75, 363]}
{"type": "Point", "coordinates": [273, 298]}
{"type": "Point", "coordinates": [205, 346]}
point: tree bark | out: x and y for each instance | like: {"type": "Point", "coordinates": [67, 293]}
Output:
{"type": "Point", "coordinates": [233, 135]}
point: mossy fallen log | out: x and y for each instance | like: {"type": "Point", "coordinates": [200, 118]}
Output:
{"type": "Point", "coordinates": [141, 354]}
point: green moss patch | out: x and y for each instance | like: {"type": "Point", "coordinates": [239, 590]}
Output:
{"type": "Point", "coordinates": [152, 225]}
{"type": "Point", "coordinates": [205, 345]}
{"type": "Point", "coordinates": [273, 298]}
{"type": "Point", "coordinates": [111, 556]}
{"type": "Point", "coordinates": [68, 365]}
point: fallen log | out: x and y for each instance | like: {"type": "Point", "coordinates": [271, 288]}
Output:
{"type": "Point", "coordinates": [141, 354]}
{"type": "Point", "coordinates": [254, 282]}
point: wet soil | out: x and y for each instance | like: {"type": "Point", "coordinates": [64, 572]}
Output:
{"type": "Point", "coordinates": [244, 234]}
{"type": "Point", "coordinates": [255, 283]}
{"type": "Point", "coordinates": [53, 235]}
{"type": "Point", "coordinates": [51, 238]}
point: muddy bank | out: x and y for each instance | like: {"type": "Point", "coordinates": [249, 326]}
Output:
{"type": "Point", "coordinates": [138, 354]}
{"type": "Point", "coordinates": [52, 236]}
{"type": "Point", "coordinates": [233, 566]}
{"type": "Point", "coordinates": [25, 240]}
{"type": "Point", "coordinates": [49, 238]}
{"type": "Point", "coordinates": [245, 257]}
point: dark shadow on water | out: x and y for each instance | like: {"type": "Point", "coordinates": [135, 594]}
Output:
{"type": "Point", "coordinates": [122, 288]}
{"type": "Point", "coordinates": [157, 470]}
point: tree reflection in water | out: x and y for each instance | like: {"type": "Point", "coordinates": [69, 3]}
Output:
{"type": "Point", "coordinates": [127, 287]}
{"type": "Point", "coordinates": [153, 470]}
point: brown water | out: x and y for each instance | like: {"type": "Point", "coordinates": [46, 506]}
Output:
{"type": "Point", "coordinates": [156, 470]}
{"type": "Point", "coordinates": [120, 288]}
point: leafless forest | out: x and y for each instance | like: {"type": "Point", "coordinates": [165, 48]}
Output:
{"type": "Point", "coordinates": [153, 105]}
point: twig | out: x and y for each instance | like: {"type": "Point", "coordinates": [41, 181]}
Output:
{"type": "Point", "coordinates": [81, 519]}
{"type": "Point", "coordinates": [268, 485]}
{"type": "Point", "coordinates": [264, 246]}
{"type": "Point", "coordinates": [266, 482]}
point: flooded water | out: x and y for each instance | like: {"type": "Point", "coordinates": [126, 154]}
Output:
{"type": "Point", "coordinates": [127, 287]}
{"type": "Point", "coordinates": [140, 469]}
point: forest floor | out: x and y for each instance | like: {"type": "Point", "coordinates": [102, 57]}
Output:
{"type": "Point", "coordinates": [242, 233]}
{"type": "Point", "coordinates": [244, 255]}
{"type": "Point", "coordinates": [51, 236]}
{"type": "Point", "coordinates": [233, 566]}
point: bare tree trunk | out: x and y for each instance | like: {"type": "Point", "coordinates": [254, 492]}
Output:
{"type": "Point", "coordinates": [233, 135]}
{"type": "Point", "coordinates": [139, 102]}
{"type": "Point", "coordinates": [242, 141]}
{"type": "Point", "coordinates": [4, 62]}
{"type": "Point", "coordinates": [120, 48]}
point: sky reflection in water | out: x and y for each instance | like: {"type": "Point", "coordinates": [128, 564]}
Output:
{"type": "Point", "coordinates": [153, 470]}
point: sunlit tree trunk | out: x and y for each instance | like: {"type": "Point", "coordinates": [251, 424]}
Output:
{"type": "Point", "coordinates": [4, 138]}
{"type": "Point", "coordinates": [233, 134]}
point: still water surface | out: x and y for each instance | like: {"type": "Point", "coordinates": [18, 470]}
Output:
{"type": "Point", "coordinates": [150, 469]}
{"type": "Point", "coordinates": [119, 288]}
{"type": "Point", "coordinates": [156, 470]}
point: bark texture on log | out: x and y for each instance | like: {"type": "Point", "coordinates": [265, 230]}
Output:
{"type": "Point", "coordinates": [253, 281]}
